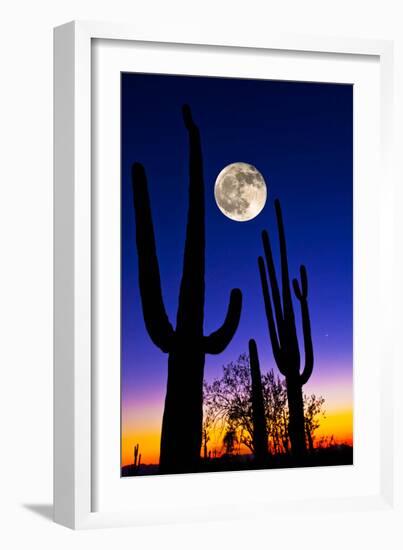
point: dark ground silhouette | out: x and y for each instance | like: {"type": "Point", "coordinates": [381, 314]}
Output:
{"type": "Point", "coordinates": [335, 455]}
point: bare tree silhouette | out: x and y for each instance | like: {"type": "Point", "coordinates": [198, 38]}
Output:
{"type": "Point", "coordinates": [275, 393]}
{"type": "Point", "coordinates": [207, 425]}
{"type": "Point", "coordinates": [181, 434]}
{"type": "Point", "coordinates": [227, 401]}
{"type": "Point", "coordinates": [313, 410]}
{"type": "Point", "coordinates": [228, 406]}
{"type": "Point", "coordinates": [283, 332]}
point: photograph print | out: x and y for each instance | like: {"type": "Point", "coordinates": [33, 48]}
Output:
{"type": "Point", "coordinates": [236, 274]}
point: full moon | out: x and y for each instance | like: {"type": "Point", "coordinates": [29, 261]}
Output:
{"type": "Point", "coordinates": [240, 191]}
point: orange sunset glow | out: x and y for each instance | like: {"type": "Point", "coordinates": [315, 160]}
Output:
{"type": "Point", "coordinates": [337, 423]}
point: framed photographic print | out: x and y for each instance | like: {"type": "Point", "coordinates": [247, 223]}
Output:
{"type": "Point", "coordinates": [240, 397]}
{"type": "Point", "coordinates": [221, 239]}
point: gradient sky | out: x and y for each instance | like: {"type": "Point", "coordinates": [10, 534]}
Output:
{"type": "Point", "coordinates": [299, 136]}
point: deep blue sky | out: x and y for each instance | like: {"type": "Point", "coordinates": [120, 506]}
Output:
{"type": "Point", "coordinates": [299, 136]}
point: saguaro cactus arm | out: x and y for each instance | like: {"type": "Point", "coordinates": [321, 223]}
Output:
{"type": "Point", "coordinates": [217, 341]}
{"type": "Point", "coordinates": [273, 280]}
{"type": "Point", "coordinates": [270, 318]}
{"type": "Point", "coordinates": [287, 302]}
{"type": "Point", "coordinates": [192, 282]}
{"type": "Point", "coordinates": [302, 295]}
{"type": "Point", "coordinates": [195, 156]}
{"type": "Point", "coordinates": [155, 316]}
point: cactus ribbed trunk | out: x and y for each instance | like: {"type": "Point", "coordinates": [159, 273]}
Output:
{"type": "Point", "coordinates": [283, 333]}
{"type": "Point", "coordinates": [258, 413]}
{"type": "Point", "coordinates": [296, 423]}
{"type": "Point", "coordinates": [181, 434]}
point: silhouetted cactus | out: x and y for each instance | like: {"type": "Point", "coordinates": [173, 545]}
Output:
{"type": "Point", "coordinates": [258, 411]}
{"type": "Point", "coordinates": [181, 434]}
{"type": "Point", "coordinates": [136, 458]}
{"type": "Point", "coordinates": [283, 333]}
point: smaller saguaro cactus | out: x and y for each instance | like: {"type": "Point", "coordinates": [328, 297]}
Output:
{"type": "Point", "coordinates": [206, 439]}
{"type": "Point", "coordinates": [258, 411]}
{"type": "Point", "coordinates": [283, 331]}
{"type": "Point", "coordinates": [137, 458]}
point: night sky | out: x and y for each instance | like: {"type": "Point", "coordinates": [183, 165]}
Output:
{"type": "Point", "coordinates": [300, 137]}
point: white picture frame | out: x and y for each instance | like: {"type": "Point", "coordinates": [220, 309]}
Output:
{"type": "Point", "coordinates": [76, 387]}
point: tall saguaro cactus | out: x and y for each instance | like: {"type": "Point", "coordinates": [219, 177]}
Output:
{"type": "Point", "coordinates": [283, 333]}
{"type": "Point", "coordinates": [258, 412]}
{"type": "Point", "coordinates": [181, 434]}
